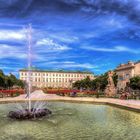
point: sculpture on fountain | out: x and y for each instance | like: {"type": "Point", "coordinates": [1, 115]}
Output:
{"type": "Point", "coordinates": [110, 88]}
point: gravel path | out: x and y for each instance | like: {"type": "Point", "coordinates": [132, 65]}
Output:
{"type": "Point", "coordinates": [39, 95]}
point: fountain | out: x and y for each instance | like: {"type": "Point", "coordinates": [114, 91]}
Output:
{"type": "Point", "coordinates": [29, 112]}
{"type": "Point", "coordinates": [69, 120]}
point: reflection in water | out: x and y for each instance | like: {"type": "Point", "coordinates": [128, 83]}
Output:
{"type": "Point", "coordinates": [73, 121]}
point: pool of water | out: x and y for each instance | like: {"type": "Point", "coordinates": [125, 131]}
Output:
{"type": "Point", "coordinates": [73, 121]}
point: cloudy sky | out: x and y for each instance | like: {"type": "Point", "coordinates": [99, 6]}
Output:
{"type": "Point", "coordinates": [94, 35]}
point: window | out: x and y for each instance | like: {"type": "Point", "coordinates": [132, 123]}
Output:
{"type": "Point", "coordinates": [31, 79]}
{"type": "Point", "coordinates": [120, 78]}
{"type": "Point", "coordinates": [127, 76]}
{"type": "Point", "coordinates": [35, 79]}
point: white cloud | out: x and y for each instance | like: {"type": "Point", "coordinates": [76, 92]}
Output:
{"type": "Point", "coordinates": [113, 49]}
{"type": "Point", "coordinates": [79, 65]}
{"type": "Point", "coordinates": [12, 35]}
{"type": "Point", "coordinates": [114, 23]}
{"type": "Point", "coordinates": [68, 64]}
{"type": "Point", "coordinates": [52, 45]}
{"type": "Point", "coordinates": [64, 38]}
{"type": "Point", "coordinates": [64, 62]}
{"type": "Point", "coordinates": [7, 51]}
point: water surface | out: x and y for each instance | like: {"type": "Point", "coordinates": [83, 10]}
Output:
{"type": "Point", "coordinates": [73, 121]}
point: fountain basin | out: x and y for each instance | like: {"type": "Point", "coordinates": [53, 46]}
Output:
{"type": "Point", "coordinates": [69, 121]}
{"type": "Point", "coordinates": [26, 114]}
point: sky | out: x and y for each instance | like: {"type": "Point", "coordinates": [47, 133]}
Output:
{"type": "Point", "coordinates": [94, 35]}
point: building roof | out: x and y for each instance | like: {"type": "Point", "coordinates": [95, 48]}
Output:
{"type": "Point", "coordinates": [137, 62]}
{"type": "Point", "coordinates": [57, 71]}
{"type": "Point", "coordinates": [127, 65]}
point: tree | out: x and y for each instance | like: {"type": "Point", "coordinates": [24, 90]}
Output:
{"type": "Point", "coordinates": [135, 83]}
{"type": "Point", "coordinates": [20, 83]}
{"type": "Point", "coordinates": [1, 73]}
{"type": "Point", "coordinates": [115, 79]}
{"type": "Point", "coordinates": [13, 78]}
{"type": "Point", "coordinates": [2, 81]}
{"type": "Point", "coordinates": [77, 84]}
{"type": "Point", "coordinates": [99, 83]}
{"type": "Point", "coordinates": [85, 83]}
{"type": "Point", "coordinates": [103, 81]}
{"type": "Point", "coordinates": [9, 81]}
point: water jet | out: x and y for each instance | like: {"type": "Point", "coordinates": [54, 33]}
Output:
{"type": "Point", "coordinates": [29, 112]}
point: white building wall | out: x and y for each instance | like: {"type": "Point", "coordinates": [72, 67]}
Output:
{"type": "Point", "coordinates": [54, 79]}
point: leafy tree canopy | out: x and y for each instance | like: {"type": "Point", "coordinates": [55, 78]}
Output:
{"type": "Point", "coordinates": [99, 83]}
{"type": "Point", "coordinates": [8, 81]}
{"type": "Point", "coordinates": [135, 83]}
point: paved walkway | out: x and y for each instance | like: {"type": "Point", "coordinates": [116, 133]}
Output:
{"type": "Point", "coordinates": [39, 95]}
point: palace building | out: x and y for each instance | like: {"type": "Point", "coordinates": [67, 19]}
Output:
{"type": "Point", "coordinates": [127, 71]}
{"type": "Point", "coordinates": [54, 79]}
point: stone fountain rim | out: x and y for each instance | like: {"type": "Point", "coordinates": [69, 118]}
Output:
{"type": "Point", "coordinates": [134, 109]}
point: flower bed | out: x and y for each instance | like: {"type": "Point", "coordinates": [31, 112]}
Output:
{"type": "Point", "coordinates": [67, 92]}
{"type": "Point", "coordinates": [11, 93]}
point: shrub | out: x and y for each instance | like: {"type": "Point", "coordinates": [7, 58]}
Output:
{"type": "Point", "coordinates": [15, 94]}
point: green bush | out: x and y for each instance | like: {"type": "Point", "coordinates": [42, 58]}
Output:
{"type": "Point", "coordinates": [15, 94]}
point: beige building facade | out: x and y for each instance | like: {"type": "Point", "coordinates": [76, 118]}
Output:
{"type": "Point", "coordinates": [127, 71]}
{"type": "Point", "coordinates": [54, 79]}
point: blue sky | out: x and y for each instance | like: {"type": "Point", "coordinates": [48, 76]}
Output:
{"type": "Point", "coordinates": [95, 35]}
